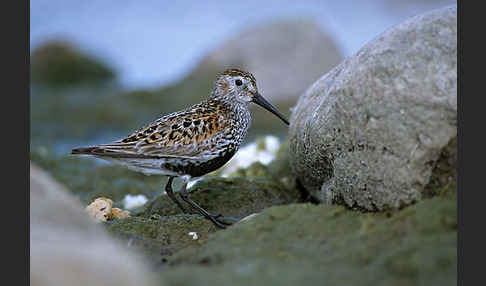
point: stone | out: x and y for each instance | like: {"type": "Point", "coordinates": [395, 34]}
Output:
{"type": "Point", "coordinates": [119, 213]}
{"type": "Point", "coordinates": [235, 197]}
{"type": "Point", "coordinates": [68, 248]}
{"type": "Point", "coordinates": [376, 130]}
{"type": "Point", "coordinates": [100, 210]}
{"type": "Point", "coordinates": [157, 238]}
{"type": "Point", "coordinates": [328, 245]}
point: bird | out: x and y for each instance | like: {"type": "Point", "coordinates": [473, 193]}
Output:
{"type": "Point", "coordinates": [192, 142]}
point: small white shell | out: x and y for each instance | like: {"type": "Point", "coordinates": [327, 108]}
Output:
{"type": "Point", "coordinates": [194, 235]}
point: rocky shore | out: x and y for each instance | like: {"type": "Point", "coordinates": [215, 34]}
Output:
{"type": "Point", "coordinates": [361, 191]}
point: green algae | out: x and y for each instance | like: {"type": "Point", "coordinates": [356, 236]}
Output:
{"type": "Point", "coordinates": [235, 197]}
{"type": "Point", "coordinates": [157, 239]}
{"type": "Point", "coordinates": [328, 245]}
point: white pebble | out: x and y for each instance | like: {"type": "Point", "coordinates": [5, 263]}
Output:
{"type": "Point", "coordinates": [130, 202]}
{"type": "Point", "coordinates": [194, 235]}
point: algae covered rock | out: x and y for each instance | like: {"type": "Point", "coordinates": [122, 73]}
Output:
{"type": "Point", "coordinates": [234, 197]}
{"type": "Point", "coordinates": [158, 237]}
{"type": "Point", "coordinates": [328, 245]}
{"type": "Point", "coordinates": [370, 133]}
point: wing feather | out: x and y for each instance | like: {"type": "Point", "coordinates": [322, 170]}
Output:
{"type": "Point", "coordinates": [191, 133]}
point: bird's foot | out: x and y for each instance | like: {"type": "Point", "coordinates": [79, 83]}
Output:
{"type": "Point", "coordinates": [217, 219]}
{"type": "Point", "coordinates": [219, 222]}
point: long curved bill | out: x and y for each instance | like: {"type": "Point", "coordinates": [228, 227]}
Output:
{"type": "Point", "coordinates": [258, 99]}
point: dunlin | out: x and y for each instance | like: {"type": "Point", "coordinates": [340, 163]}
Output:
{"type": "Point", "coordinates": [192, 142]}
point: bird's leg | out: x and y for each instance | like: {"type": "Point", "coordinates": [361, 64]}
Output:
{"type": "Point", "coordinates": [203, 212]}
{"type": "Point", "coordinates": [170, 193]}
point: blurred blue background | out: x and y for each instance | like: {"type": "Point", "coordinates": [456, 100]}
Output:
{"type": "Point", "coordinates": [151, 43]}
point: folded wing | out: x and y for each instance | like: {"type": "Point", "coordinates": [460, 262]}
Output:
{"type": "Point", "coordinates": [192, 133]}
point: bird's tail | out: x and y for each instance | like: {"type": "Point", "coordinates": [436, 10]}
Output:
{"type": "Point", "coordinates": [85, 150]}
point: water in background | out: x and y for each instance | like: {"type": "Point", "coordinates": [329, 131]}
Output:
{"type": "Point", "coordinates": [150, 43]}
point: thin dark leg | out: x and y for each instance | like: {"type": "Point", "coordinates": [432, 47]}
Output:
{"type": "Point", "coordinates": [203, 212]}
{"type": "Point", "coordinates": [170, 193]}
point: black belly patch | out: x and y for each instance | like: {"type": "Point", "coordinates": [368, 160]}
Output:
{"type": "Point", "coordinates": [196, 168]}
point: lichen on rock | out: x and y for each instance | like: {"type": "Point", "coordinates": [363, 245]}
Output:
{"type": "Point", "coordinates": [370, 132]}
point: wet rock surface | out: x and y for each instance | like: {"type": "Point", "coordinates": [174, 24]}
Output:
{"type": "Point", "coordinates": [369, 134]}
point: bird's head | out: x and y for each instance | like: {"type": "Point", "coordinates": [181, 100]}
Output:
{"type": "Point", "coordinates": [240, 86]}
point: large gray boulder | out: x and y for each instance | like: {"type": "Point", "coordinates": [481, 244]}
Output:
{"type": "Point", "coordinates": [67, 248]}
{"type": "Point", "coordinates": [285, 56]}
{"type": "Point", "coordinates": [379, 130]}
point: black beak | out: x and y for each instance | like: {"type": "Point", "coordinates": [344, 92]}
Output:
{"type": "Point", "coordinates": [258, 99]}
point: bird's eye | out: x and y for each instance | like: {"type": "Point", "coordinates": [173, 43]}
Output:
{"type": "Point", "coordinates": [238, 82]}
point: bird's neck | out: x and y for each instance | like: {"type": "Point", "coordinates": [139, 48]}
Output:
{"type": "Point", "coordinates": [239, 116]}
{"type": "Point", "coordinates": [237, 110]}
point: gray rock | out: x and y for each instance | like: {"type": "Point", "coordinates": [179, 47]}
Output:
{"type": "Point", "coordinates": [66, 248]}
{"type": "Point", "coordinates": [370, 133]}
{"type": "Point", "coordinates": [285, 57]}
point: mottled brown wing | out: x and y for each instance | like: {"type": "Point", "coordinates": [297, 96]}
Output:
{"type": "Point", "coordinates": [191, 133]}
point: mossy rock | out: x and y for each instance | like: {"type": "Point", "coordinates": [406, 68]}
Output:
{"type": "Point", "coordinates": [248, 190]}
{"type": "Point", "coordinates": [328, 245]}
{"type": "Point", "coordinates": [57, 63]}
{"type": "Point", "coordinates": [159, 237]}
{"type": "Point", "coordinates": [235, 197]}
